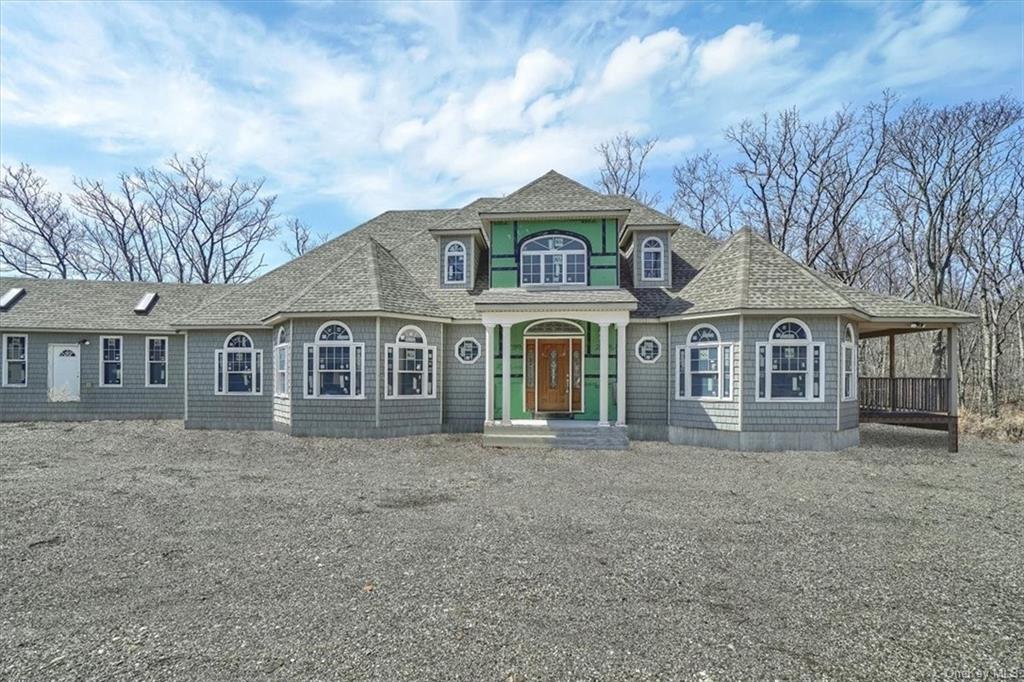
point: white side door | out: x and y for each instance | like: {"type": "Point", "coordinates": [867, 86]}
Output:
{"type": "Point", "coordinates": [65, 372]}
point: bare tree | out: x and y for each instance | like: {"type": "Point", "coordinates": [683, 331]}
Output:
{"type": "Point", "coordinates": [622, 167]}
{"type": "Point", "coordinates": [299, 238]}
{"type": "Point", "coordinates": [39, 236]}
{"type": "Point", "coordinates": [704, 197]}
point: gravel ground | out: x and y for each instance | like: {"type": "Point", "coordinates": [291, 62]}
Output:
{"type": "Point", "coordinates": [139, 549]}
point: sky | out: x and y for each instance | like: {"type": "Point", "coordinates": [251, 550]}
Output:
{"type": "Point", "coordinates": [350, 109]}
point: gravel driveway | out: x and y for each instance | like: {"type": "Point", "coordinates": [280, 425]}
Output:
{"type": "Point", "coordinates": [139, 549]}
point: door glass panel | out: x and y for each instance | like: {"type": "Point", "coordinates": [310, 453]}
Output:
{"type": "Point", "coordinates": [553, 368]}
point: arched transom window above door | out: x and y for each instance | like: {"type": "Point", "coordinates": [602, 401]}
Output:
{"type": "Point", "coordinates": [553, 260]}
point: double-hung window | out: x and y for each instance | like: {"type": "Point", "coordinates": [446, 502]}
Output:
{"type": "Point", "coordinates": [410, 365]}
{"type": "Point", "coordinates": [15, 360]}
{"type": "Point", "coordinates": [111, 362]}
{"type": "Point", "coordinates": [281, 348]}
{"type": "Point", "coordinates": [849, 364]}
{"type": "Point", "coordinates": [334, 364]}
{"type": "Point", "coordinates": [790, 366]}
{"type": "Point", "coordinates": [704, 366]}
{"type": "Point", "coordinates": [239, 367]}
{"type": "Point", "coordinates": [652, 258]}
{"type": "Point", "coordinates": [156, 361]}
{"type": "Point", "coordinates": [455, 263]}
{"type": "Point", "coordinates": [552, 260]}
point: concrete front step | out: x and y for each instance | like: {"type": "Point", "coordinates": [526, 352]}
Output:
{"type": "Point", "coordinates": [556, 435]}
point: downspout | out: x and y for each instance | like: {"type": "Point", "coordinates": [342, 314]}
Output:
{"type": "Point", "coordinates": [741, 397]}
{"type": "Point", "coordinates": [840, 358]}
{"type": "Point", "coordinates": [437, 378]}
{"type": "Point", "coordinates": [185, 356]}
{"type": "Point", "coordinates": [669, 393]}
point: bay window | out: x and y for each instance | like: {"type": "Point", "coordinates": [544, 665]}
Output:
{"type": "Point", "coordinates": [790, 366]}
{"type": "Point", "coordinates": [281, 364]}
{"type": "Point", "coordinates": [849, 350]}
{"type": "Point", "coordinates": [410, 365]}
{"type": "Point", "coordinates": [334, 364]}
{"type": "Point", "coordinates": [704, 366]}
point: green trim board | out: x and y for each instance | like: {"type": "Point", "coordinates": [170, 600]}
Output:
{"type": "Point", "coordinates": [591, 372]}
{"type": "Point", "coordinates": [600, 235]}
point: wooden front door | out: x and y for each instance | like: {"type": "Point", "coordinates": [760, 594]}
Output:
{"type": "Point", "coordinates": [553, 375]}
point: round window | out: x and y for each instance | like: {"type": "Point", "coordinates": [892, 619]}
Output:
{"type": "Point", "coordinates": [467, 351]}
{"type": "Point", "coordinates": [648, 349]}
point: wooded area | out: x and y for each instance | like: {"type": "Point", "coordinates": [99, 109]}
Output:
{"type": "Point", "coordinates": [919, 201]}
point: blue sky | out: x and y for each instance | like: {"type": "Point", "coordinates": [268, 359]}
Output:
{"type": "Point", "coordinates": [350, 109]}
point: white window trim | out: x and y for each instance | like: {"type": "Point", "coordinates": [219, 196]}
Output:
{"type": "Point", "coordinates": [660, 248]}
{"type": "Point", "coordinates": [683, 358]}
{"type": "Point", "coordinates": [3, 358]}
{"type": "Point", "coordinates": [120, 341]}
{"type": "Point", "coordinates": [852, 346]}
{"type": "Point", "coordinates": [167, 361]}
{"type": "Point", "coordinates": [767, 376]}
{"type": "Point", "coordinates": [542, 254]}
{"type": "Point", "coordinates": [220, 360]}
{"type": "Point", "coordinates": [636, 350]}
{"type": "Point", "coordinates": [313, 392]}
{"type": "Point", "coordinates": [278, 347]}
{"type": "Point", "coordinates": [429, 365]}
{"type": "Point", "coordinates": [479, 350]}
{"type": "Point", "coordinates": [465, 261]}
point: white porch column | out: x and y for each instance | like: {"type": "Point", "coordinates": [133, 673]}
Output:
{"type": "Point", "coordinates": [506, 373]}
{"type": "Point", "coordinates": [489, 377]}
{"type": "Point", "coordinates": [603, 389]}
{"type": "Point", "coordinates": [620, 374]}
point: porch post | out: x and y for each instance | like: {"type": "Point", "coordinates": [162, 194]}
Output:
{"type": "Point", "coordinates": [506, 373]}
{"type": "Point", "coordinates": [489, 369]}
{"type": "Point", "coordinates": [603, 386]}
{"type": "Point", "coordinates": [892, 371]}
{"type": "Point", "coordinates": [953, 370]}
{"type": "Point", "coordinates": [620, 374]}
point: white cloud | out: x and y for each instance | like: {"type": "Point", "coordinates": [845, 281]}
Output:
{"type": "Point", "coordinates": [740, 48]}
{"type": "Point", "coordinates": [637, 59]}
{"type": "Point", "coordinates": [499, 105]}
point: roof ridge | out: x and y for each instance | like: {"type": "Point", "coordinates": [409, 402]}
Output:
{"type": "Point", "coordinates": [404, 270]}
{"type": "Point", "coordinates": [745, 266]}
{"type": "Point", "coordinates": [714, 259]}
{"type": "Point", "coordinates": [374, 267]}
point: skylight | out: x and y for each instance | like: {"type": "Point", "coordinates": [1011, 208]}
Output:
{"type": "Point", "coordinates": [12, 295]}
{"type": "Point", "coordinates": [145, 303]}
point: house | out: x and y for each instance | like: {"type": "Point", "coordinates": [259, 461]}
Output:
{"type": "Point", "coordinates": [552, 315]}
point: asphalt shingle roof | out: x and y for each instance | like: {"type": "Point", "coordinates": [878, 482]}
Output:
{"type": "Point", "coordinates": [555, 193]}
{"type": "Point", "coordinates": [78, 305]}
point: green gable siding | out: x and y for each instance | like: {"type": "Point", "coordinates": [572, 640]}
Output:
{"type": "Point", "coordinates": [600, 234]}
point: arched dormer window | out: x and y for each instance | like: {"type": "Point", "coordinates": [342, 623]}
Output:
{"type": "Point", "coordinates": [410, 365]}
{"type": "Point", "coordinates": [334, 363]}
{"type": "Point", "coordinates": [652, 259]}
{"type": "Point", "coordinates": [281, 363]}
{"type": "Point", "coordinates": [239, 366]}
{"type": "Point", "coordinates": [790, 365]}
{"type": "Point", "coordinates": [849, 350]}
{"type": "Point", "coordinates": [704, 366]}
{"type": "Point", "coordinates": [551, 260]}
{"type": "Point", "coordinates": [455, 263]}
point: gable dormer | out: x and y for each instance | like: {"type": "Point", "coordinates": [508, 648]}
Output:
{"type": "Point", "coordinates": [460, 245]}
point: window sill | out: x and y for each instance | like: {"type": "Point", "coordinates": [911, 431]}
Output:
{"type": "Point", "coordinates": [695, 399]}
{"type": "Point", "coordinates": [790, 400]}
{"type": "Point", "coordinates": [239, 394]}
{"type": "Point", "coordinates": [331, 397]}
{"type": "Point", "coordinates": [13, 385]}
{"type": "Point", "coordinates": [156, 386]}
{"type": "Point", "coordinates": [410, 397]}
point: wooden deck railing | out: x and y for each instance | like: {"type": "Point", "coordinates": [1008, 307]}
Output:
{"type": "Point", "coordinates": [904, 394]}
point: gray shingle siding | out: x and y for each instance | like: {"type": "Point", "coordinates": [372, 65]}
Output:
{"type": "Point", "coordinates": [647, 392]}
{"type": "Point", "coordinates": [206, 410]}
{"type": "Point", "coordinates": [326, 416]}
{"type": "Point", "coordinates": [789, 416]}
{"type": "Point", "coordinates": [706, 414]}
{"type": "Point", "coordinates": [405, 416]}
{"type": "Point", "coordinates": [463, 383]}
{"type": "Point", "coordinates": [132, 400]}
{"type": "Point", "coordinates": [638, 266]}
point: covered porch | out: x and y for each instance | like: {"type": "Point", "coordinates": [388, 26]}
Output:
{"type": "Point", "coordinates": [926, 402]}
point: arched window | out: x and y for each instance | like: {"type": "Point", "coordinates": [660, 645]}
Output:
{"type": "Point", "coordinates": [652, 258]}
{"type": "Point", "coordinates": [455, 263]}
{"type": "Point", "coordinates": [334, 363]}
{"type": "Point", "coordinates": [704, 366]}
{"type": "Point", "coordinates": [239, 366]}
{"type": "Point", "coordinates": [410, 365]}
{"type": "Point", "coordinates": [790, 366]}
{"type": "Point", "coordinates": [281, 364]}
{"type": "Point", "coordinates": [553, 259]}
{"type": "Point", "coordinates": [849, 363]}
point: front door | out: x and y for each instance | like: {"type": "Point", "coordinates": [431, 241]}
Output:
{"type": "Point", "coordinates": [65, 372]}
{"type": "Point", "coordinates": [553, 375]}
